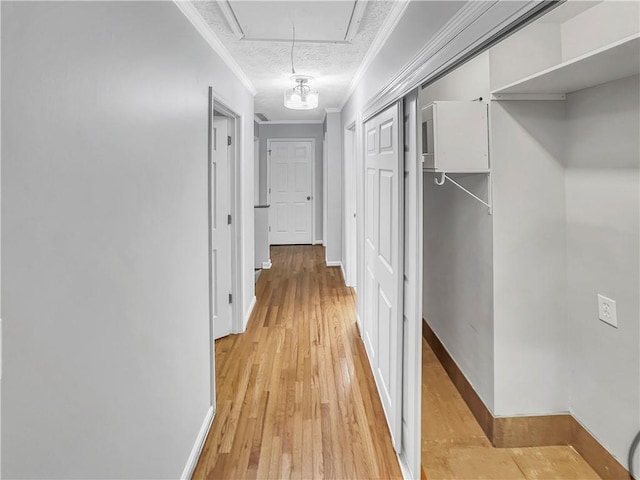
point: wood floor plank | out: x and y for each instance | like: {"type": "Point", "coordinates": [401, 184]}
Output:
{"type": "Point", "coordinates": [296, 396]}
{"type": "Point", "coordinates": [454, 447]}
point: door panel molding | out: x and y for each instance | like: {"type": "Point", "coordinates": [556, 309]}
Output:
{"type": "Point", "coordinates": [291, 179]}
{"type": "Point", "coordinates": [384, 260]}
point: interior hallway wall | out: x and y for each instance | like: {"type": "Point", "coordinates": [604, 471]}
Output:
{"type": "Point", "coordinates": [301, 130]}
{"type": "Point", "coordinates": [420, 22]}
{"type": "Point", "coordinates": [105, 236]}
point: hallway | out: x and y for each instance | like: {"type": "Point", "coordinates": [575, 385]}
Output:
{"type": "Point", "coordinates": [295, 393]}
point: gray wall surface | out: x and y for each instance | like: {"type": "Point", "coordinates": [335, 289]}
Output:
{"type": "Point", "coordinates": [603, 255]}
{"type": "Point", "coordinates": [303, 130]}
{"type": "Point", "coordinates": [105, 237]}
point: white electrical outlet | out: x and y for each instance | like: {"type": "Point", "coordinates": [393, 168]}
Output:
{"type": "Point", "coordinates": [607, 310]}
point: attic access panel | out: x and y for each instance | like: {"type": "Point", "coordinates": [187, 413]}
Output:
{"type": "Point", "coordinates": [315, 21]}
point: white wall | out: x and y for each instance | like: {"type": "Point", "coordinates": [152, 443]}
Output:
{"type": "Point", "coordinates": [333, 231]}
{"type": "Point", "coordinates": [529, 258]}
{"type": "Point", "coordinates": [603, 242]}
{"type": "Point", "coordinates": [458, 249]}
{"type": "Point", "coordinates": [105, 250]}
{"type": "Point", "coordinates": [311, 130]}
{"type": "Point", "coordinates": [606, 22]}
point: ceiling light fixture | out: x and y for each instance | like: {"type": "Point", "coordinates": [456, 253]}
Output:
{"type": "Point", "coordinates": [301, 96]}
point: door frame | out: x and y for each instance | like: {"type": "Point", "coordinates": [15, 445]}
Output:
{"type": "Point", "coordinates": [217, 108]}
{"type": "Point", "coordinates": [234, 129]}
{"type": "Point", "coordinates": [313, 179]}
{"type": "Point", "coordinates": [412, 380]}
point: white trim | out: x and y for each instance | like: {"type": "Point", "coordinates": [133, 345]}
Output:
{"type": "Point", "coordinates": [344, 275]}
{"type": "Point", "coordinates": [235, 130]}
{"type": "Point", "coordinates": [333, 263]}
{"type": "Point", "coordinates": [317, 242]}
{"type": "Point", "coordinates": [412, 305]}
{"type": "Point", "coordinates": [473, 25]}
{"type": "Point", "coordinates": [356, 18]}
{"type": "Point", "coordinates": [313, 179]}
{"type": "Point", "coordinates": [214, 42]}
{"type": "Point", "coordinates": [267, 265]}
{"type": "Point", "coordinates": [187, 473]}
{"type": "Point", "coordinates": [333, 110]}
{"type": "Point", "coordinates": [289, 122]}
{"type": "Point", "coordinates": [248, 313]}
{"type": "Point", "coordinates": [404, 467]}
{"type": "Point", "coordinates": [389, 25]}
{"type": "Point", "coordinates": [230, 15]}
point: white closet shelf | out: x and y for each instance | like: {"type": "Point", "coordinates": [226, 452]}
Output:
{"type": "Point", "coordinates": [615, 61]}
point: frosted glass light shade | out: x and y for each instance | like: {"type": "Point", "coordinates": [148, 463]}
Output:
{"type": "Point", "coordinates": [301, 97]}
{"type": "Point", "coordinates": [300, 101]}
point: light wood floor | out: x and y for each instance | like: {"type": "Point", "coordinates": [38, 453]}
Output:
{"type": "Point", "coordinates": [295, 394]}
{"type": "Point", "coordinates": [455, 447]}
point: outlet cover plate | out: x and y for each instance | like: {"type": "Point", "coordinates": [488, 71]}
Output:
{"type": "Point", "coordinates": [607, 310]}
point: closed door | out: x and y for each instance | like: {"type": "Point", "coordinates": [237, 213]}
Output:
{"type": "Point", "coordinates": [220, 229]}
{"type": "Point", "coordinates": [291, 211]}
{"type": "Point", "coordinates": [350, 224]}
{"type": "Point", "coordinates": [384, 186]}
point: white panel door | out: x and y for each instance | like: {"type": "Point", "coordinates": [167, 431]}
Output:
{"type": "Point", "coordinates": [291, 213]}
{"type": "Point", "coordinates": [350, 223]}
{"type": "Point", "coordinates": [220, 229]}
{"type": "Point", "coordinates": [384, 184]}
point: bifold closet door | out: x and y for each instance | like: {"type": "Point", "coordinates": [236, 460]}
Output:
{"type": "Point", "coordinates": [384, 183]}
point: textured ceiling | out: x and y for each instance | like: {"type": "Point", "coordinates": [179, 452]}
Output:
{"type": "Point", "coordinates": [268, 63]}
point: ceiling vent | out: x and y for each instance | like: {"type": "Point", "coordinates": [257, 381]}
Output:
{"type": "Point", "coordinates": [262, 117]}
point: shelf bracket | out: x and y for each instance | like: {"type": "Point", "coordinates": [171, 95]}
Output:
{"type": "Point", "coordinates": [444, 177]}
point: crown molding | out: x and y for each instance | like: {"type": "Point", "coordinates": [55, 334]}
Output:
{"type": "Point", "coordinates": [214, 42]}
{"type": "Point", "coordinates": [389, 25]}
{"type": "Point", "coordinates": [475, 25]}
{"type": "Point", "coordinates": [290, 122]}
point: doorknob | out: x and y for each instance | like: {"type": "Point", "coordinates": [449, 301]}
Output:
{"type": "Point", "coordinates": [308, 198]}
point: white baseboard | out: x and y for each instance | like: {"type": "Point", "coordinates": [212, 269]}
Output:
{"type": "Point", "coordinates": [187, 473]}
{"type": "Point", "coordinates": [333, 263]}
{"type": "Point", "coordinates": [247, 315]}
{"type": "Point", "coordinates": [267, 265]}
{"type": "Point", "coordinates": [317, 242]}
{"type": "Point", "coordinates": [404, 468]}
